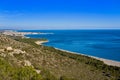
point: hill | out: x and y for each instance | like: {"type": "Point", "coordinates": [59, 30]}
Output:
{"type": "Point", "coordinates": [22, 59]}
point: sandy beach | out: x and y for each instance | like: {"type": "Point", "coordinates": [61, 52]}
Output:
{"type": "Point", "coordinates": [41, 42]}
{"type": "Point", "coordinates": [106, 61]}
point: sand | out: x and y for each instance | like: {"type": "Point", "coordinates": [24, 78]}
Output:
{"type": "Point", "coordinates": [110, 62]}
{"type": "Point", "coordinates": [106, 61]}
{"type": "Point", "coordinates": [40, 42]}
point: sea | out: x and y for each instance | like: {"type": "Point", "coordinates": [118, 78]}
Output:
{"type": "Point", "coordinates": [98, 43]}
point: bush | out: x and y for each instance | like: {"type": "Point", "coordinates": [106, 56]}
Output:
{"type": "Point", "coordinates": [8, 72]}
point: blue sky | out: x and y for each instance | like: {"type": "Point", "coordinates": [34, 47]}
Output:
{"type": "Point", "coordinates": [60, 14]}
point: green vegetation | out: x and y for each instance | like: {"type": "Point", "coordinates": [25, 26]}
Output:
{"type": "Point", "coordinates": [29, 40]}
{"type": "Point", "coordinates": [9, 72]}
{"type": "Point", "coordinates": [53, 64]}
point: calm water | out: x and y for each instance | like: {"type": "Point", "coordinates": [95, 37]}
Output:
{"type": "Point", "coordinates": [100, 43]}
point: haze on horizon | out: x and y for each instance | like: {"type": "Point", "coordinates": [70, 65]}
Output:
{"type": "Point", "coordinates": [60, 14]}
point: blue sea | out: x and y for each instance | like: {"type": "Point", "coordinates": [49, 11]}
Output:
{"type": "Point", "coordinates": [99, 43]}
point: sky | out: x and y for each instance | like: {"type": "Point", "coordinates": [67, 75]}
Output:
{"type": "Point", "coordinates": [60, 14]}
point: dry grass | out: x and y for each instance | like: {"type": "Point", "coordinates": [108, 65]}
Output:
{"type": "Point", "coordinates": [59, 63]}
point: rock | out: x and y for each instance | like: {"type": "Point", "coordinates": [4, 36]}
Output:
{"type": "Point", "coordinates": [9, 49]}
{"type": "Point", "coordinates": [38, 71]}
{"type": "Point", "coordinates": [18, 51]}
{"type": "Point", "coordinates": [1, 50]}
{"type": "Point", "coordinates": [11, 53]}
{"type": "Point", "coordinates": [2, 55]}
{"type": "Point", "coordinates": [27, 63]}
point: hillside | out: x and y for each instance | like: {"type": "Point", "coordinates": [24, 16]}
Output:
{"type": "Point", "coordinates": [22, 59]}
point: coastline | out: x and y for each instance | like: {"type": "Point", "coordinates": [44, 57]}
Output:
{"type": "Point", "coordinates": [23, 35]}
{"type": "Point", "coordinates": [41, 42]}
{"type": "Point", "coordinates": [17, 33]}
{"type": "Point", "coordinates": [106, 61]}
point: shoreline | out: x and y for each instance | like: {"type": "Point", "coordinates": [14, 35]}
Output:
{"type": "Point", "coordinates": [23, 34]}
{"type": "Point", "coordinates": [41, 42]}
{"type": "Point", "coordinates": [17, 33]}
{"type": "Point", "coordinates": [106, 61]}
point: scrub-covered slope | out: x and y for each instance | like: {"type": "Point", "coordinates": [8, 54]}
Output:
{"type": "Point", "coordinates": [22, 59]}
